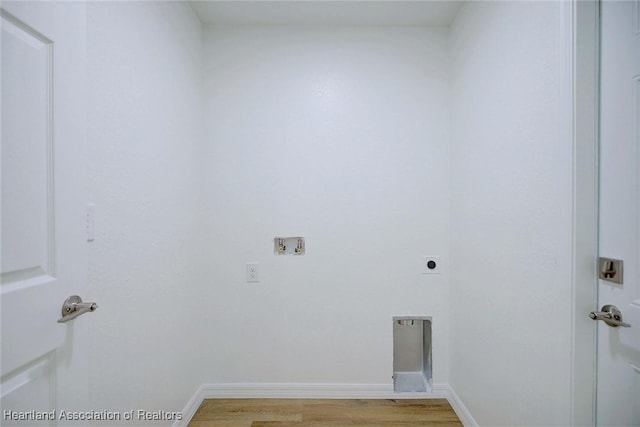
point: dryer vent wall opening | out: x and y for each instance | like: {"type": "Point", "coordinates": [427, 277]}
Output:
{"type": "Point", "coordinates": [412, 354]}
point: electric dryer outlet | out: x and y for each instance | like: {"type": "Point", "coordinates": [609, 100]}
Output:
{"type": "Point", "coordinates": [431, 265]}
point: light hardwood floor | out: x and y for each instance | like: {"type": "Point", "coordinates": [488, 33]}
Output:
{"type": "Point", "coordinates": [324, 412]}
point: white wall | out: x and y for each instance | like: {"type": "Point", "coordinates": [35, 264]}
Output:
{"type": "Point", "coordinates": [145, 137]}
{"type": "Point", "coordinates": [340, 135]}
{"type": "Point", "coordinates": [343, 136]}
{"type": "Point", "coordinates": [511, 200]}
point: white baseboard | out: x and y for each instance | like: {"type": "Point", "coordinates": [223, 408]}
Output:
{"type": "Point", "coordinates": [190, 408]}
{"type": "Point", "coordinates": [318, 391]}
{"type": "Point", "coordinates": [461, 411]}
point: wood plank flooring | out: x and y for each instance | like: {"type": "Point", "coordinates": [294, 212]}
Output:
{"type": "Point", "coordinates": [324, 412]}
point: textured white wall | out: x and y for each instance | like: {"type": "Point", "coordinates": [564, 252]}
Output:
{"type": "Point", "coordinates": [339, 135]}
{"type": "Point", "coordinates": [511, 199]}
{"type": "Point", "coordinates": [145, 136]}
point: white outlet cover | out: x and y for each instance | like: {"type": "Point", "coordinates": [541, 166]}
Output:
{"type": "Point", "coordinates": [253, 272]}
{"type": "Point", "coordinates": [428, 267]}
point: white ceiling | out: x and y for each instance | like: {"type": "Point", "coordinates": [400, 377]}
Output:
{"type": "Point", "coordinates": [328, 12]}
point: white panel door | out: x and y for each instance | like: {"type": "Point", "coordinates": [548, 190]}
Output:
{"type": "Point", "coordinates": [618, 386]}
{"type": "Point", "coordinates": [42, 198]}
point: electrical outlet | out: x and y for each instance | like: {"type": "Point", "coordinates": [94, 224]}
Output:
{"type": "Point", "coordinates": [253, 272]}
{"type": "Point", "coordinates": [431, 265]}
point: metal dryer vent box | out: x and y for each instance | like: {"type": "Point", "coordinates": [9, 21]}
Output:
{"type": "Point", "coordinates": [412, 354]}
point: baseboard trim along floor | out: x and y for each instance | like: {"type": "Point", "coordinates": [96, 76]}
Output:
{"type": "Point", "coordinates": [318, 391]}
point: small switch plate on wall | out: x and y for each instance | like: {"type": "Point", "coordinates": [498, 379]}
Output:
{"type": "Point", "coordinates": [431, 265]}
{"type": "Point", "coordinates": [253, 275]}
{"type": "Point", "coordinates": [91, 222]}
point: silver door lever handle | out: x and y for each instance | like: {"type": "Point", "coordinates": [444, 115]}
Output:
{"type": "Point", "coordinates": [610, 315]}
{"type": "Point", "coordinates": [74, 307]}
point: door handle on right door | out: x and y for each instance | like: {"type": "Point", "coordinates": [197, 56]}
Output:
{"type": "Point", "coordinates": [611, 315]}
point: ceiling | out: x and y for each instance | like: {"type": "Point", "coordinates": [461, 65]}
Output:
{"type": "Point", "coordinates": [328, 12]}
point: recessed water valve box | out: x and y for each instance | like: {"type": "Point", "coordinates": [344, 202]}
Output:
{"type": "Point", "coordinates": [288, 246]}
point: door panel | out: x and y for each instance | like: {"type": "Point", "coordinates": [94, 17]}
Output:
{"type": "Point", "coordinates": [26, 166]}
{"type": "Point", "coordinates": [618, 383]}
{"type": "Point", "coordinates": [43, 364]}
{"type": "Point", "coordinates": [30, 389]}
{"type": "Point", "coordinates": [631, 336]}
{"type": "Point", "coordinates": [28, 244]}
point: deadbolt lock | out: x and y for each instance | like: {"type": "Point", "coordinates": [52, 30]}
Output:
{"type": "Point", "coordinates": [610, 269]}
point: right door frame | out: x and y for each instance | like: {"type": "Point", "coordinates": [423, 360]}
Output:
{"type": "Point", "coordinates": [582, 31]}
